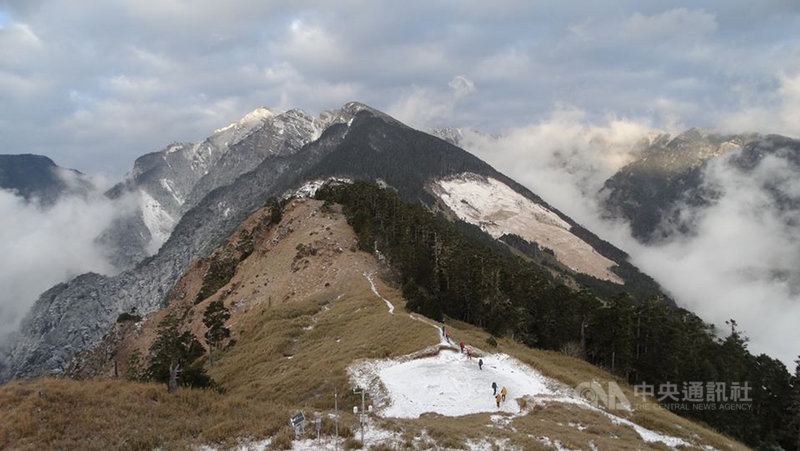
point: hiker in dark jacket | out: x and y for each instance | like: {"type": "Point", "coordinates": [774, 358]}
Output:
{"type": "Point", "coordinates": [494, 388]}
{"type": "Point", "coordinates": [480, 364]}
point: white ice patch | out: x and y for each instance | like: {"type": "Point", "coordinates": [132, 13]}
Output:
{"type": "Point", "coordinates": [497, 209]}
{"type": "Point", "coordinates": [157, 219]}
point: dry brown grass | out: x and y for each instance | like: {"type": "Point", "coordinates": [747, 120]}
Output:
{"type": "Point", "coordinates": [102, 414]}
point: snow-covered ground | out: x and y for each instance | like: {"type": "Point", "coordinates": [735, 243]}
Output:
{"type": "Point", "coordinates": [450, 384]}
{"type": "Point", "coordinates": [498, 210]}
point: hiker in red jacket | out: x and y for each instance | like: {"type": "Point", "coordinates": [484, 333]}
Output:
{"type": "Point", "coordinates": [447, 336]}
{"type": "Point", "coordinates": [469, 353]}
{"type": "Point", "coordinates": [461, 345]}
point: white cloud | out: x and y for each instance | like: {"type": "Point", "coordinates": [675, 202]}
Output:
{"type": "Point", "coordinates": [311, 46]}
{"type": "Point", "coordinates": [675, 24]}
{"type": "Point", "coordinates": [743, 261]}
{"type": "Point", "coordinates": [461, 86]}
{"type": "Point", "coordinates": [778, 112]}
{"type": "Point", "coordinates": [423, 107]}
{"type": "Point", "coordinates": [43, 247]}
{"type": "Point", "coordinates": [564, 158]}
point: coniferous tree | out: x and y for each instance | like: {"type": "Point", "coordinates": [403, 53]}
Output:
{"type": "Point", "coordinates": [173, 357]}
{"type": "Point", "coordinates": [214, 318]}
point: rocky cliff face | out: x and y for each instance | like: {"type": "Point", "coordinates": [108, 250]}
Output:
{"type": "Point", "coordinates": [358, 143]}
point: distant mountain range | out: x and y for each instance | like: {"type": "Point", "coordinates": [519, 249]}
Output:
{"type": "Point", "coordinates": [664, 191]}
{"type": "Point", "coordinates": [37, 178]}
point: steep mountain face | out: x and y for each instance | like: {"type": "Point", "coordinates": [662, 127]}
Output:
{"type": "Point", "coordinates": [662, 193]}
{"type": "Point", "coordinates": [358, 143]}
{"type": "Point", "coordinates": [167, 184]}
{"type": "Point", "coordinates": [38, 178]}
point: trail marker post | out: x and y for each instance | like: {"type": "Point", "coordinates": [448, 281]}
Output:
{"type": "Point", "coordinates": [297, 421]}
{"type": "Point", "coordinates": [363, 412]}
{"type": "Point", "coordinates": [336, 419]}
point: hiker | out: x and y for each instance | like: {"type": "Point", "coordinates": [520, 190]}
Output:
{"type": "Point", "coordinates": [494, 388]}
{"type": "Point", "coordinates": [461, 345]}
{"type": "Point", "coordinates": [480, 364]}
{"type": "Point", "coordinates": [469, 353]}
{"type": "Point", "coordinates": [504, 392]}
{"type": "Point", "coordinates": [447, 336]}
{"type": "Point", "coordinates": [497, 398]}
{"type": "Point", "coordinates": [443, 334]}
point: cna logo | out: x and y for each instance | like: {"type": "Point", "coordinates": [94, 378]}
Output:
{"type": "Point", "coordinates": [611, 397]}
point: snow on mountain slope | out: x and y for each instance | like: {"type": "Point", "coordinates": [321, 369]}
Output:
{"type": "Point", "coordinates": [499, 210]}
{"type": "Point", "coordinates": [235, 131]}
{"type": "Point", "coordinates": [157, 219]}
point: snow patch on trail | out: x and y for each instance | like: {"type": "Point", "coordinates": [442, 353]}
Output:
{"type": "Point", "coordinates": [450, 384]}
{"type": "Point", "coordinates": [375, 290]}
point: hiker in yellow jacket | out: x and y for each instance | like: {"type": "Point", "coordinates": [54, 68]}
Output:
{"type": "Point", "coordinates": [497, 398]}
{"type": "Point", "coordinates": [504, 392]}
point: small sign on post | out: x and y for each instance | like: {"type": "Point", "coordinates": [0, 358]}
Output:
{"type": "Point", "coordinates": [297, 421]}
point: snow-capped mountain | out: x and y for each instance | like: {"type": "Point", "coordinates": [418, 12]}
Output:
{"type": "Point", "coordinates": [166, 184]}
{"type": "Point", "coordinates": [196, 188]}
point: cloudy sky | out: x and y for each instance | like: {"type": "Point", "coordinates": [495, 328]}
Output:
{"type": "Point", "coordinates": [96, 83]}
{"type": "Point", "coordinates": [570, 86]}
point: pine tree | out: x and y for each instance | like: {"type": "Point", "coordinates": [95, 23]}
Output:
{"type": "Point", "coordinates": [275, 212]}
{"type": "Point", "coordinates": [174, 354]}
{"type": "Point", "coordinates": [214, 318]}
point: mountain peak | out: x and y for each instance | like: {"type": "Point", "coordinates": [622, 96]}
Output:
{"type": "Point", "coordinates": [355, 107]}
{"type": "Point", "coordinates": [250, 119]}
